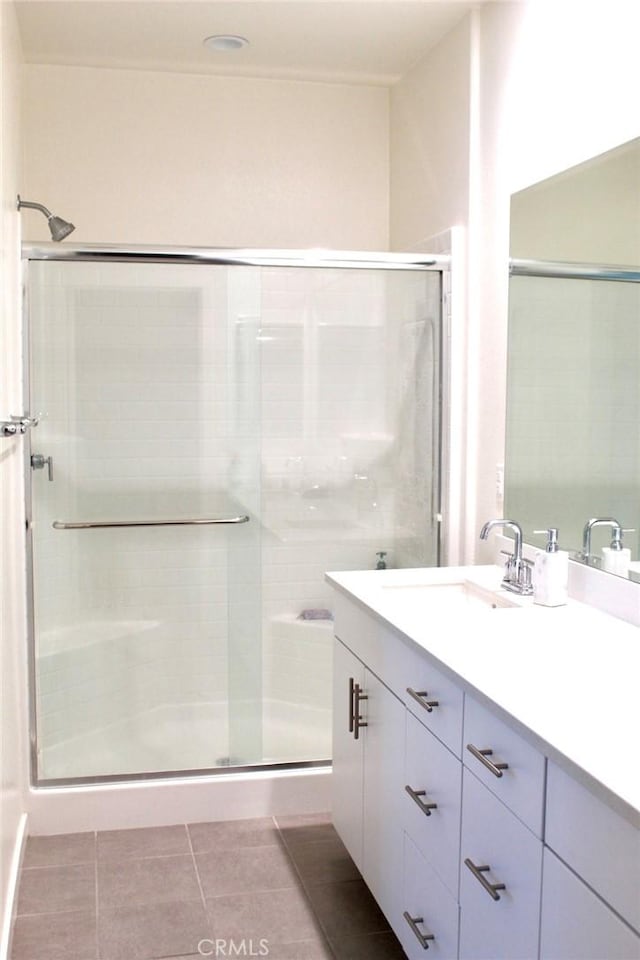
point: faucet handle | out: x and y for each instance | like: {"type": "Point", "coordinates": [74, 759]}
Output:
{"type": "Point", "coordinates": [524, 575]}
{"type": "Point", "coordinates": [510, 568]}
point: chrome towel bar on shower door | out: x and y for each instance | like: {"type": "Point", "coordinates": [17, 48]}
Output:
{"type": "Point", "coordinates": [91, 524]}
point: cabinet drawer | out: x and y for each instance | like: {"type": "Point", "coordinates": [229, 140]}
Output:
{"type": "Point", "coordinates": [519, 784]}
{"type": "Point", "coordinates": [599, 844]}
{"type": "Point", "coordinates": [429, 766]}
{"type": "Point", "coordinates": [430, 906]}
{"type": "Point", "coordinates": [434, 699]}
{"type": "Point", "coordinates": [577, 925]}
{"type": "Point", "coordinates": [503, 926]}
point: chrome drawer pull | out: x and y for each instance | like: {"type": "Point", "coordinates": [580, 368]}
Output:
{"type": "Point", "coordinates": [413, 922]}
{"type": "Point", "coordinates": [482, 755]}
{"type": "Point", "coordinates": [358, 722]}
{"type": "Point", "coordinates": [415, 796]}
{"type": "Point", "coordinates": [352, 717]}
{"type": "Point", "coordinates": [478, 872]}
{"type": "Point", "coordinates": [419, 696]}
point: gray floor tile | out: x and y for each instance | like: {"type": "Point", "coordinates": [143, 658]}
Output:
{"type": "Point", "coordinates": [143, 931]}
{"type": "Point", "coordinates": [281, 916]}
{"type": "Point", "coordinates": [57, 889]}
{"type": "Point", "coordinates": [149, 895]}
{"type": "Point", "coordinates": [58, 936]}
{"type": "Point", "coordinates": [323, 861]}
{"type": "Point", "coordinates": [301, 950]}
{"type": "Point", "coordinates": [372, 946]}
{"type": "Point", "coordinates": [242, 871]}
{"type": "Point", "coordinates": [60, 850]}
{"type": "Point", "coordinates": [232, 834]}
{"type": "Point", "coordinates": [306, 828]}
{"type": "Point", "coordinates": [346, 909]}
{"type": "Point", "coordinates": [147, 881]}
{"type": "Point", "coordinates": [143, 842]}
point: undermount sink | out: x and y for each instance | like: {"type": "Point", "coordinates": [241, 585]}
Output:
{"type": "Point", "coordinates": [451, 595]}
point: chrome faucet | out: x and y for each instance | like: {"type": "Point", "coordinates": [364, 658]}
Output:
{"type": "Point", "coordinates": [517, 574]}
{"type": "Point", "coordinates": [616, 536]}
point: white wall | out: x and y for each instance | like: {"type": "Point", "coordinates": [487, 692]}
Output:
{"type": "Point", "coordinates": [558, 83]}
{"type": "Point", "coordinates": [141, 157]}
{"type": "Point", "coordinates": [12, 628]}
{"type": "Point", "coordinates": [590, 214]}
{"type": "Point", "coordinates": [429, 136]}
{"type": "Point", "coordinates": [545, 85]}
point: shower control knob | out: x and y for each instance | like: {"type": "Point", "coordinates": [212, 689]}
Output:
{"type": "Point", "coordinates": [39, 462]}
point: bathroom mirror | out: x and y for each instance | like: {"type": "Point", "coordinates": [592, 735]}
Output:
{"type": "Point", "coordinates": [573, 381]}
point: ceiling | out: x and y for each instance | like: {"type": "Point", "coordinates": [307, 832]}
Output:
{"type": "Point", "coordinates": [352, 41]}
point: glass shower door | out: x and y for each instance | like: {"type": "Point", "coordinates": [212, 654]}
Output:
{"type": "Point", "coordinates": [146, 647]}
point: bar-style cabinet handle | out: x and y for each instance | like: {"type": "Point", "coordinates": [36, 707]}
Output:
{"type": "Point", "coordinates": [358, 695]}
{"type": "Point", "coordinates": [420, 696]}
{"type": "Point", "coordinates": [483, 756]}
{"type": "Point", "coordinates": [423, 938]}
{"type": "Point", "coordinates": [415, 796]}
{"type": "Point", "coordinates": [352, 691]}
{"type": "Point", "coordinates": [478, 873]}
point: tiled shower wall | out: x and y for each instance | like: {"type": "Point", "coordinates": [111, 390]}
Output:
{"type": "Point", "coordinates": [304, 397]}
{"type": "Point", "coordinates": [573, 444]}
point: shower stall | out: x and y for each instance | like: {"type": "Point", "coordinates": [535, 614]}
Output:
{"type": "Point", "coordinates": [218, 429]}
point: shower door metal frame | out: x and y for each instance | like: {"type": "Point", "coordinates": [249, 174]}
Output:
{"type": "Point", "coordinates": [328, 259]}
{"type": "Point", "coordinates": [563, 270]}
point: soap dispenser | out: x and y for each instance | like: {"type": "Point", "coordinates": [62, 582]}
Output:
{"type": "Point", "coordinates": [616, 558]}
{"type": "Point", "coordinates": [551, 572]}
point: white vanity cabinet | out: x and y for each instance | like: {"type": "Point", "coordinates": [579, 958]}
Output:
{"type": "Point", "coordinates": [501, 862]}
{"type": "Point", "coordinates": [501, 850]}
{"type": "Point", "coordinates": [348, 755]}
{"type": "Point", "coordinates": [475, 844]}
{"type": "Point", "coordinates": [368, 770]}
{"type": "Point", "coordinates": [576, 923]}
{"type": "Point", "coordinates": [431, 801]}
{"type": "Point", "coordinates": [507, 765]}
{"type": "Point", "coordinates": [597, 881]}
{"type": "Point", "coordinates": [430, 916]}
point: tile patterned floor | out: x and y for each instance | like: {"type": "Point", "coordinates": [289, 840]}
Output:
{"type": "Point", "coordinates": [160, 892]}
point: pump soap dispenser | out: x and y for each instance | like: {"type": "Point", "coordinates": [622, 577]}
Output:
{"type": "Point", "coordinates": [551, 572]}
{"type": "Point", "coordinates": [616, 558]}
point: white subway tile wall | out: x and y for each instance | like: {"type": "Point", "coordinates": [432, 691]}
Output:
{"type": "Point", "coordinates": [306, 398]}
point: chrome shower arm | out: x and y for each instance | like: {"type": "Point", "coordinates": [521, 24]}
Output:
{"type": "Point", "coordinates": [58, 227]}
{"type": "Point", "coordinates": [34, 206]}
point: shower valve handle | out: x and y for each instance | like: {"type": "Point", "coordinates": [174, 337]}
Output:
{"type": "Point", "coordinates": [39, 462]}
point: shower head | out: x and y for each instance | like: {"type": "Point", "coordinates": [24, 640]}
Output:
{"type": "Point", "coordinates": [59, 228]}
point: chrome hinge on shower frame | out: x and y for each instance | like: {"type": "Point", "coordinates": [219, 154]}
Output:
{"type": "Point", "coordinates": [15, 426]}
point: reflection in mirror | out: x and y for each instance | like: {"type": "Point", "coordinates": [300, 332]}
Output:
{"type": "Point", "coordinates": [573, 394]}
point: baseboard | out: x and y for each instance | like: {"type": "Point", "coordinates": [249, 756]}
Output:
{"type": "Point", "coordinates": [12, 889]}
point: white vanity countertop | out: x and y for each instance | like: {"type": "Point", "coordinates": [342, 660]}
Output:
{"type": "Point", "coordinates": [569, 675]}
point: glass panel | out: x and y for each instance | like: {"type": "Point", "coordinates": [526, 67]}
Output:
{"type": "Point", "coordinates": [131, 365]}
{"type": "Point", "coordinates": [350, 463]}
{"type": "Point", "coordinates": [308, 399]}
{"type": "Point", "coordinates": [573, 443]}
